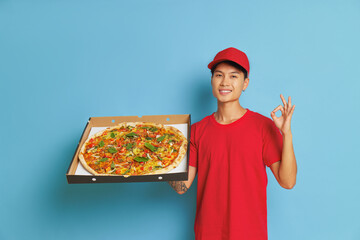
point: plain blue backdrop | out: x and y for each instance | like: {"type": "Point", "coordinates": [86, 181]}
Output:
{"type": "Point", "coordinates": [62, 62]}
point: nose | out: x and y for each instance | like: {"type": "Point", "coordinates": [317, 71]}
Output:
{"type": "Point", "coordinates": [225, 81]}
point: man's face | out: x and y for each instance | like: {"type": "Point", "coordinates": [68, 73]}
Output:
{"type": "Point", "coordinates": [227, 83]}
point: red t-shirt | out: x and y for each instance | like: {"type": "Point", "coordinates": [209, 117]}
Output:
{"type": "Point", "coordinates": [231, 165]}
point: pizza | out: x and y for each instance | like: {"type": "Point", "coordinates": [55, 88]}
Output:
{"type": "Point", "coordinates": [133, 148]}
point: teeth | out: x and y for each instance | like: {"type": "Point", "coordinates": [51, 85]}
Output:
{"type": "Point", "coordinates": [225, 91]}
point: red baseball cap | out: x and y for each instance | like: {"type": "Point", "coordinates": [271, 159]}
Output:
{"type": "Point", "coordinates": [234, 55]}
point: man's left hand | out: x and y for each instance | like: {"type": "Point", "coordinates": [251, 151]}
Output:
{"type": "Point", "coordinates": [283, 122]}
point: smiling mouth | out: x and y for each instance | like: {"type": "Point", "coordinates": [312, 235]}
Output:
{"type": "Point", "coordinates": [224, 92]}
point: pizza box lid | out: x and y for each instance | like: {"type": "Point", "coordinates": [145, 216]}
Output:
{"type": "Point", "coordinates": [77, 174]}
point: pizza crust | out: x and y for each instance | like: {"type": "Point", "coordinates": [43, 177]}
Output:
{"type": "Point", "coordinates": [176, 162]}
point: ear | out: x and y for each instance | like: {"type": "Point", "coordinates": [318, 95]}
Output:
{"type": "Point", "coordinates": [246, 82]}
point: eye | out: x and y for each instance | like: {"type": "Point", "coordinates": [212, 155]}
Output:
{"type": "Point", "coordinates": [218, 75]}
{"type": "Point", "coordinates": [233, 76]}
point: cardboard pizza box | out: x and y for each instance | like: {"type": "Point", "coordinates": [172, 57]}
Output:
{"type": "Point", "coordinates": [77, 174]}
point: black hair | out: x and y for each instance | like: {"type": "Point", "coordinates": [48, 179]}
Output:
{"type": "Point", "coordinates": [234, 64]}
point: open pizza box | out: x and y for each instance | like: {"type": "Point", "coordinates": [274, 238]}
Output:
{"type": "Point", "coordinates": [77, 173]}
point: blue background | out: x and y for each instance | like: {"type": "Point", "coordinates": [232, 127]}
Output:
{"type": "Point", "coordinates": [150, 57]}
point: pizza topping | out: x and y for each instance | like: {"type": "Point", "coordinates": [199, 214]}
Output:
{"type": "Point", "coordinates": [91, 149]}
{"type": "Point", "coordinates": [136, 151]}
{"type": "Point", "coordinates": [153, 129]}
{"type": "Point", "coordinates": [132, 134]}
{"type": "Point", "coordinates": [129, 146]}
{"type": "Point", "coordinates": [141, 159]}
{"type": "Point", "coordinates": [112, 150]}
{"type": "Point", "coordinates": [149, 146]}
{"type": "Point", "coordinates": [132, 150]}
{"type": "Point", "coordinates": [101, 160]}
{"type": "Point", "coordinates": [159, 139]}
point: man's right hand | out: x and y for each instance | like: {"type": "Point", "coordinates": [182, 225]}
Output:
{"type": "Point", "coordinates": [182, 186]}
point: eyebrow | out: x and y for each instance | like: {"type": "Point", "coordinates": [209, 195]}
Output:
{"type": "Point", "coordinates": [222, 72]}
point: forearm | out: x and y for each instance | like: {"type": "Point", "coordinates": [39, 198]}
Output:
{"type": "Point", "coordinates": [288, 168]}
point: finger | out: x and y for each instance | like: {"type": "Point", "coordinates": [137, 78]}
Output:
{"type": "Point", "coordinates": [281, 108]}
{"type": "Point", "coordinates": [289, 105]}
{"type": "Point", "coordinates": [283, 100]}
{"type": "Point", "coordinates": [273, 115]}
{"type": "Point", "coordinates": [292, 110]}
{"type": "Point", "coordinates": [276, 109]}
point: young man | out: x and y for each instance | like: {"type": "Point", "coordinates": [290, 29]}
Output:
{"type": "Point", "coordinates": [229, 150]}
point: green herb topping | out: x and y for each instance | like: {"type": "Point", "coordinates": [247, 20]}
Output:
{"type": "Point", "coordinates": [132, 134]}
{"type": "Point", "coordinates": [153, 129]}
{"type": "Point", "coordinates": [101, 160]}
{"type": "Point", "coordinates": [159, 139]}
{"type": "Point", "coordinates": [151, 147]}
{"type": "Point", "coordinates": [112, 150]}
{"type": "Point", "coordinates": [129, 146]}
{"type": "Point", "coordinates": [141, 159]}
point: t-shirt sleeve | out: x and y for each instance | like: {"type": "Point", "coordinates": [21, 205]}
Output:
{"type": "Point", "coordinates": [272, 143]}
{"type": "Point", "coordinates": [193, 156]}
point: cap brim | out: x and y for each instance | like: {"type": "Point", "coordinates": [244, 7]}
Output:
{"type": "Point", "coordinates": [210, 65]}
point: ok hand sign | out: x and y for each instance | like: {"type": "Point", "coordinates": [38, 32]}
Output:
{"type": "Point", "coordinates": [283, 122]}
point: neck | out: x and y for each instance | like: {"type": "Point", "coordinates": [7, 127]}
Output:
{"type": "Point", "coordinates": [229, 112]}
